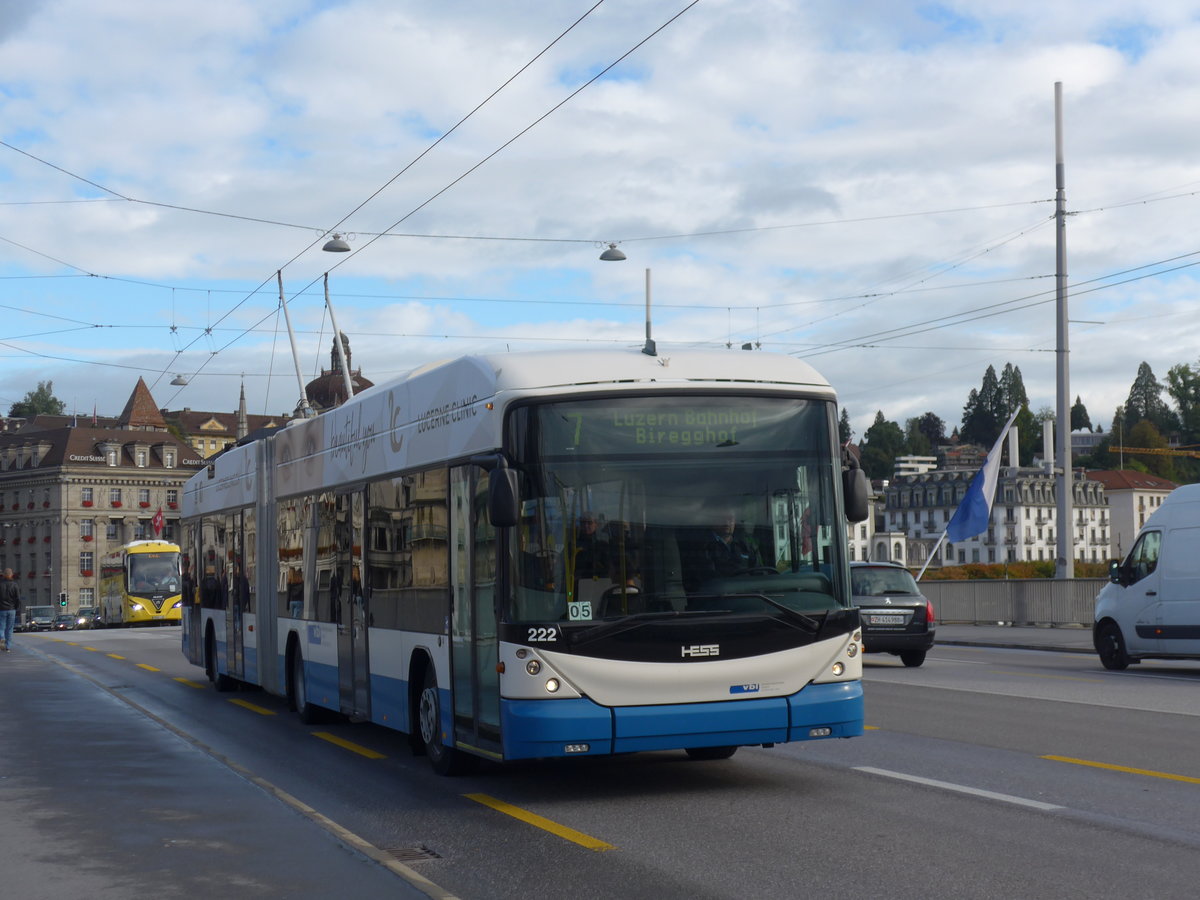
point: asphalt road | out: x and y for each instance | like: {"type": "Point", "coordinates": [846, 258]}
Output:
{"type": "Point", "coordinates": [986, 772]}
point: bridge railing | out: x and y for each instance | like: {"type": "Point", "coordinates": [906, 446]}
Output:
{"type": "Point", "coordinates": [1032, 601]}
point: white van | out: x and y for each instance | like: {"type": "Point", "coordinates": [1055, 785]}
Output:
{"type": "Point", "coordinates": [1152, 606]}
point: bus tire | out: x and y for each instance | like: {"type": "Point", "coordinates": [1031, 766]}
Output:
{"type": "Point", "coordinates": [444, 759]}
{"type": "Point", "coordinates": [223, 683]}
{"type": "Point", "coordinates": [702, 753]}
{"type": "Point", "coordinates": [309, 714]}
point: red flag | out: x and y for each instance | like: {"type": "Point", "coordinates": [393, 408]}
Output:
{"type": "Point", "coordinates": [157, 522]}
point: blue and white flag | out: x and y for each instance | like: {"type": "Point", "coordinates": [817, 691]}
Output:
{"type": "Point", "coordinates": [971, 517]}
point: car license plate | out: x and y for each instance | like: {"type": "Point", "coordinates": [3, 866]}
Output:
{"type": "Point", "coordinates": [887, 620]}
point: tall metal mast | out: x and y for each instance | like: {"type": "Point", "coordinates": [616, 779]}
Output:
{"type": "Point", "coordinates": [1065, 563]}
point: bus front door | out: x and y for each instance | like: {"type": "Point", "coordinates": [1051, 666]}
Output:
{"type": "Point", "coordinates": [351, 607]}
{"type": "Point", "coordinates": [475, 682]}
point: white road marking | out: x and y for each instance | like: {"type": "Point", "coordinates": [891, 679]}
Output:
{"type": "Point", "coordinates": [960, 788]}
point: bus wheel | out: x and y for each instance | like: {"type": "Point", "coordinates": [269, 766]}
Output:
{"type": "Point", "coordinates": [223, 683]}
{"type": "Point", "coordinates": [309, 714]}
{"type": "Point", "coordinates": [710, 752]}
{"type": "Point", "coordinates": [1111, 647]}
{"type": "Point", "coordinates": [445, 760]}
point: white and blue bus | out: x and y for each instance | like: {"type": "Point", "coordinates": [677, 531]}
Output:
{"type": "Point", "coordinates": [533, 555]}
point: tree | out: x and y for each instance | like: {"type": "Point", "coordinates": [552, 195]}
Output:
{"type": "Point", "coordinates": [1145, 402]}
{"type": "Point", "coordinates": [979, 423]}
{"type": "Point", "coordinates": [933, 428]}
{"type": "Point", "coordinates": [1011, 393]}
{"type": "Point", "coordinates": [1145, 435]}
{"type": "Point", "coordinates": [1183, 384]}
{"type": "Point", "coordinates": [845, 432]}
{"type": "Point", "coordinates": [882, 443]}
{"type": "Point", "coordinates": [1079, 416]}
{"type": "Point", "coordinates": [916, 442]}
{"type": "Point", "coordinates": [40, 401]}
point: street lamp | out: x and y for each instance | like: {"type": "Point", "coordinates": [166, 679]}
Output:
{"type": "Point", "coordinates": [612, 254]}
{"type": "Point", "coordinates": [336, 244]}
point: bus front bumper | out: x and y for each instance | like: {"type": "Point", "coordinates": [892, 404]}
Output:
{"type": "Point", "coordinates": [579, 727]}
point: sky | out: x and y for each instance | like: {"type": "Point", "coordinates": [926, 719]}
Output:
{"type": "Point", "coordinates": [868, 186]}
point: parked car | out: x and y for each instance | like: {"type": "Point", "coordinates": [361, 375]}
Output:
{"type": "Point", "coordinates": [896, 617]}
{"type": "Point", "coordinates": [63, 622]}
{"type": "Point", "coordinates": [86, 617]}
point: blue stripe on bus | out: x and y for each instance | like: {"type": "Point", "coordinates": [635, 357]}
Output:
{"type": "Point", "coordinates": [542, 728]}
{"type": "Point", "coordinates": [389, 702]}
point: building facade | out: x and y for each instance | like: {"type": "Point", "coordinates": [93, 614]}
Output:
{"type": "Point", "coordinates": [211, 432]}
{"type": "Point", "coordinates": [75, 488]}
{"type": "Point", "coordinates": [1132, 497]}
{"type": "Point", "coordinates": [1023, 525]}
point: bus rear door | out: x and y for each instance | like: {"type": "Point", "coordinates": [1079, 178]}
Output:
{"type": "Point", "coordinates": [354, 685]}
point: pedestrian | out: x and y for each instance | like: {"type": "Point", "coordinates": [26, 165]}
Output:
{"type": "Point", "coordinates": [10, 605]}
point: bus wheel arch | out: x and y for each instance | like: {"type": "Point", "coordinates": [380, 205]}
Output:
{"type": "Point", "coordinates": [297, 685]}
{"type": "Point", "coordinates": [445, 758]}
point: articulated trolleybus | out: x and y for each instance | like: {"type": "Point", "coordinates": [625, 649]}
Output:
{"type": "Point", "coordinates": [535, 555]}
{"type": "Point", "coordinates": [141, 584]}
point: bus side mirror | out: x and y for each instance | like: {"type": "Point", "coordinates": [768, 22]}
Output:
{"type": "Point", "coordinates": [1115, 575]}
{"type": "Point", "coordinates": [503, 502]}
{"type": "Point", "coordinates": [857, 490]}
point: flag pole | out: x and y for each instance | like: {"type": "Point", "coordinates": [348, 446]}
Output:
{"type": "Point", "coordinates": [929, 558]}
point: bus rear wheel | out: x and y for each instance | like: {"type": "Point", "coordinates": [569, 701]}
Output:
{"type": "Point", "coordinates": [445, 760]}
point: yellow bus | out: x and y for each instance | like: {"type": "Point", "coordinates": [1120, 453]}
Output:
{"type": "Point", "coordinates": [140, 584]}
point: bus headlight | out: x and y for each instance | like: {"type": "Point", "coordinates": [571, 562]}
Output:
{"type": "Point", "coordinates": [852, 650]}
{"type": "Point", "coordinates": [552, 685]}
{"type": "Point", "coordinates": [533, 667]}
{"type": "Point", "coordinates": [135, 606]}
{"type": "Point", "coordinates": [838, 668]}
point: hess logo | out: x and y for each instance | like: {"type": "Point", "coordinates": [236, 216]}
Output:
{"type": "Point", "coordinates": [696, 650]}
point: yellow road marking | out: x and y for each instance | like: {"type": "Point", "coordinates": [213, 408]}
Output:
{"type": "Point", "coordinates": [190, 683]}
{"type": "Point", "coordinates": [93, 649]}
{"type": "Point", "coordinates": [115, 655]}
{"type": "Point", "coordinates": [253, 707]}
{"type": "Point", "coordinates": [1128, 770]}
{"type": "Point", "coordinates": [537, 821]}
{"type": "Point", "coordinates": [148, 668]}
{"type": "Point", "coordinates": [870, 728]}
{"type": "Point", "coordinates": [348, 745]}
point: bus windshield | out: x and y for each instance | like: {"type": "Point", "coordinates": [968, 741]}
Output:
{"type": "Point", "coordinates": [154, 573]}
{"type": "Point", "coordinates": [676, 504]}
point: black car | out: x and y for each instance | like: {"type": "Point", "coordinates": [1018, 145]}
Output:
{"type": "Point", "coordinates": [896, 618]}
{"type": "Point", "coordinates": [86, 617]}
{"type": "Point", "coordinates": [64, 622]}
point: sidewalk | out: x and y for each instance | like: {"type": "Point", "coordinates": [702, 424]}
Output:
{"type": "Point", "coordinates": [100, 801]}
{"type": "Point", "coordinates": [1065, 639]}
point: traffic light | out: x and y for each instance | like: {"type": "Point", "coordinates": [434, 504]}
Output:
{"type": "Point", "coordinates": [62, 599]}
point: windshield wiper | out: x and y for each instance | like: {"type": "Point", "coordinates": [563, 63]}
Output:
{"type": "Point", "coordinates": [807, 623]}
{"type": "Point", "coordinates": [636, 620]}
